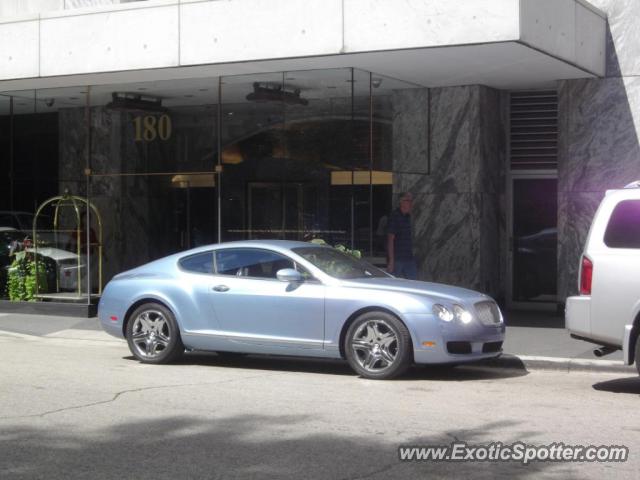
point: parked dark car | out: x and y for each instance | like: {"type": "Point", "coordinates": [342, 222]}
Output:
{"type": "Point", "coordinates": [535, 264]}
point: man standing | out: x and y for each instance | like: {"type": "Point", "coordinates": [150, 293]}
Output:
{"type": "Point", "coordinates": [401, 262]}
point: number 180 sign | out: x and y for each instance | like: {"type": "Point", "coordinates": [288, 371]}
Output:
{"type": "Point", "coordinates": [149, 127]}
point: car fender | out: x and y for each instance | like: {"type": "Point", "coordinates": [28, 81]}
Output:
{"type": "Point", "coordinates": [342, 308]}
{"type": "Point", "coordinates": [118, 299]}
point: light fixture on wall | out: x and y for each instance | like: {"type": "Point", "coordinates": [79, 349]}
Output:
{"type": "Point", "coordinates": [135, 101]}
{"type": "Point", "coordinates": [268, 92]}
{"type": "Point", "coordinates": [193, 180]}
{"type": "Point", "coordinates": [361, 177]}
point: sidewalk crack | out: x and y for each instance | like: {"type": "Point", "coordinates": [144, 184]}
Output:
{"type": "Point", "coordinates": [119, 394]}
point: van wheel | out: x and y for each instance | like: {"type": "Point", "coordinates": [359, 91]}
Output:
{"type": "Point", "coordinates": [637, 354]}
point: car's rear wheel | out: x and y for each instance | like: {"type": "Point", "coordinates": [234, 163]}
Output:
{"type": "Point", "coordinates": [153, 334]}
{"type": "Point", "coordinates": [378, 346]}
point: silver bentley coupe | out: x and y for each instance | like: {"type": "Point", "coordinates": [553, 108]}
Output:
{"type": "Point", "coordinates": [281, 297]}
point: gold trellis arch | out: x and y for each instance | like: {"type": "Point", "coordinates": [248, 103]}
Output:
{"type": "Point", "coordinates": [78, 205]}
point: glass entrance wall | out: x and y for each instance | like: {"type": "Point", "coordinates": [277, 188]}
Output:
{"type": "Point", "coordinates": [307, 154]}
{"type": "Point", "coordinates": [153, 157]}
{"type": "Point", "coordinates": [29, 158]}
{"type": "Point", "coordinates": [170, 165]}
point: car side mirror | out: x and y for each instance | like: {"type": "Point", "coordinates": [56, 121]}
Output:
{"type": "Point", "coordinates": [289, 275]}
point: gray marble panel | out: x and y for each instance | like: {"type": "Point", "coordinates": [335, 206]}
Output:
{"type": "Point", "coordinates": [599, 124]}
{"type": "Point", "coordinates": [410, 130]}
{"type": "Point", "coordinates": [457, 238]}
{"type": "Point", "coordinates": [466, 150]}
{"type": "Point", "coordinates": [458, 218]}
{"type": "Point", "coordinates": [132, 229]}
{"type": "Point", "coordinates": [575, 213]}
{"type": "Point", "coordinates": [455, 138]}
{"type": "Point", "coordinates": [490, 176]}
{"type": "Point", "coordinates": [446, 239]}
{"type": "Point", "coordinates": [623, 47]}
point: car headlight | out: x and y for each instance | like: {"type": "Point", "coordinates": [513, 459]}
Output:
{"type": "Point", "coordinates": [462, 315]}
{"type": "Point", "coordinates": [442, 312]}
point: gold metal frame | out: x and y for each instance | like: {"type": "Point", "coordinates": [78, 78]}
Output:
{"type": "Point", "coordinates": [75, 202]}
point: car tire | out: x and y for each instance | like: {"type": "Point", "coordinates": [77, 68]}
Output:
{"type": "Point", "coordinates": [637, 354]}
{"type": "Point", "coordinates": [377, 346]}
{"type": "Point", "coordinates": [153, 335]}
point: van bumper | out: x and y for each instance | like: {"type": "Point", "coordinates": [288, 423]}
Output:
{"type": "Point", "coordinates": [577, 316]}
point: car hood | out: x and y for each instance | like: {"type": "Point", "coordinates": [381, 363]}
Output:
{"type": "Point", "coordinates": [55, 253]}
{"type": "Point", "coordinates": [439, 290]}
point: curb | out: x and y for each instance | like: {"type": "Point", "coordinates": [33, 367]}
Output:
{"type": "Point", "coordinates": [529, 362]}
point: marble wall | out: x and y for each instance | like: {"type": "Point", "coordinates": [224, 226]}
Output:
{"type": "Point", "coordinates": [448, 150]}
{"type": "Point", "coordinates": [140, 214]}
{"type": "Point", "coordinates": [599, 128]}
{"type": "Point", "coordinates": [133, 212]}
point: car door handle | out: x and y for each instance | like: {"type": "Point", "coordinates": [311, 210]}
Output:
{"type": "Point", "coordinates": [220, 288]}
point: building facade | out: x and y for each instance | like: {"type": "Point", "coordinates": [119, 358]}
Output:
{"type": "Point", "coordinates": [190, 122]}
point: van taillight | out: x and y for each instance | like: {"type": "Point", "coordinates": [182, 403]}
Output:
{"type": "Point", "coordinates": [586, 274]}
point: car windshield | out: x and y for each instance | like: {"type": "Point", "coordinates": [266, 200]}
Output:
{"type": "Point", "coordinates": [338, 264]}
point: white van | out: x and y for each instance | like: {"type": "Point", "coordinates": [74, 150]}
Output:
{"type": "Point", "coordinates": [607, 312]}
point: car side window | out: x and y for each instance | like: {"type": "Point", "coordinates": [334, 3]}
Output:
{"type": "Point", "coordinates": [248, 262]}
{"type": "Point", "coordinates": [198, 263]}
{"type": "Point", "coordinates": [623, 230]}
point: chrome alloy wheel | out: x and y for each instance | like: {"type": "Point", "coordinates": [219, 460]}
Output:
{"type": "Point", "coordinates": [150, 333]}
{"type": "Point", "coordinates": [375, 346]}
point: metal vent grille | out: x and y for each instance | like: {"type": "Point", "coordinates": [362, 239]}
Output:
{"type": "Point", "coordinates": [533, 130]}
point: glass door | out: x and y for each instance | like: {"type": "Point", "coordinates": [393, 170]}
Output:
{"type": "Point", "coordinates": [275, 210]}
{"type": "Point", "coordinates": [533, 245]}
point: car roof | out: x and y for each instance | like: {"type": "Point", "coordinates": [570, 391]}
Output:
{"type": "Point", "coordinates": [282, 246]}
{"type": "Point", "coordinates": [279, 245]}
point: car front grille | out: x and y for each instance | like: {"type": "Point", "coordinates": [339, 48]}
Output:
{"type": "Point", "coordinates": [488, 313]}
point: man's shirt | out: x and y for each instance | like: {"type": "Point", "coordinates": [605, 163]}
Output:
{"type": "Point", "coordinates": [400, 226]}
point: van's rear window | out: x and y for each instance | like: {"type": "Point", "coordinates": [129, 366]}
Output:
{"type": "Point", "coordinates": [623, 230]}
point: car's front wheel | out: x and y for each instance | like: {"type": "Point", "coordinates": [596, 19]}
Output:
{"type": "Point", "coordinates": [153, 334]}
{"type": "Point", "coordinates": [378, 346]}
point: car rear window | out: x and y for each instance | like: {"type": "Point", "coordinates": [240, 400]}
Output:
{"type": "Point", "coordinates": [199, 263]}
{"type": "Point", "coordinates": [623, 230]}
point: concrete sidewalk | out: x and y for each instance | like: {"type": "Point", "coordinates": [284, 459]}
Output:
{"type": "Point", "coordinates": [538, 339]}
{"type": "Point", "coordinates": [534, 340]}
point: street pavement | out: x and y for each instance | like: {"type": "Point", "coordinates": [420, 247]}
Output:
{"type": "Point", "coordinates": [535, 339]}
{"type": "Point", "coordinates": [74, 403]}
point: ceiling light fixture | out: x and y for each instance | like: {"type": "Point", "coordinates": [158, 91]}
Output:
{"type": "Point", "coordinates": [135, 101]}
{"type": "Point", "coordinates": [266, 92]}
